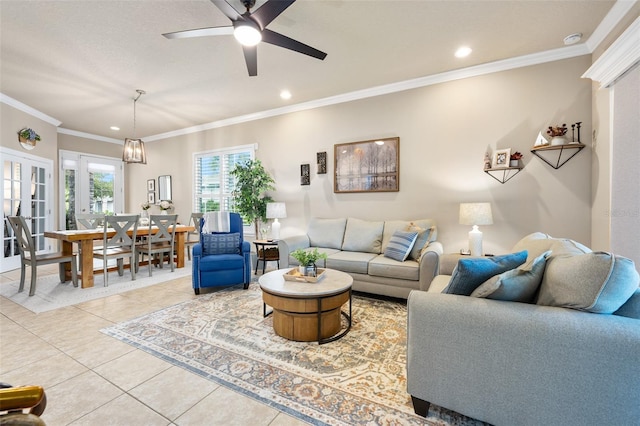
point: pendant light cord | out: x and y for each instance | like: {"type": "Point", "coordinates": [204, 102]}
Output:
{"type": "Point", "coordinates": [140, 93]}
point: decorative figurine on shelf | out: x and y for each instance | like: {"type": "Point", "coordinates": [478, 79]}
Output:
{"type": "Point", "coordinates": [487, 161]}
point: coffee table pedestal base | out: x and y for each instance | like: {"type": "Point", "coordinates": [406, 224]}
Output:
{"type": "Point", "coordinates": [308, 320]}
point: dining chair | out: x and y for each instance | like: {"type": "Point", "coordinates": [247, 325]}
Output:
{"type": "Point", "coordinates": [120, 245]}
{"type": "Point", "coordinates": [89, 220]}
{"type": "Point", "coordinates": [29, 257]}
{"type": "Point", "coordinates": [160, 242]}
{"type": "Point", "coordinates": [193, 237]}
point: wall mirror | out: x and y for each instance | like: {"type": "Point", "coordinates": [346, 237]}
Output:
{"type": "Point", "coordinates": [164, 187]}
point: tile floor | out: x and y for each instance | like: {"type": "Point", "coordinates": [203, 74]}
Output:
{"type": "Point", "coordinates": [93, 379]}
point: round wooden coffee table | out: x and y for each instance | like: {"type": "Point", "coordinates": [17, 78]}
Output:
{"type": "Point", "coordinates": [307, 312]}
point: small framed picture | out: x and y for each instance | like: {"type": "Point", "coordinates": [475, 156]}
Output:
{"type": "Point", "coordinates": [501, 158]}
{"type": "Point", "coordinates": [151, 197]}
{"type": "Point", "coordinates": [151, 185]}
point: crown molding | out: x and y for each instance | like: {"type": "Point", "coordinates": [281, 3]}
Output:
{"type": "Point", "coordinates": [478, 70]}
{"type": "Point", "coordinates": [27, 109]}
{"type": "Point", "coordinates": [623, 54]}
{"type": "Point", "coordinates": [89, 136]}
{"type": "Point", "coordinates": [608, 24]}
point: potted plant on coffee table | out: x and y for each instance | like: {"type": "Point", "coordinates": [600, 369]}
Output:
{"type": "Point", "coordinates": [307, 260]}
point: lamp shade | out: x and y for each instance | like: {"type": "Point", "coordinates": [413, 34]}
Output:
{"type": "Point", "coordinates": [276, 210]}
{"type": "Point", "coordinates": [133, 151]}
{"type": "Point", "coordinates": [475, 214]}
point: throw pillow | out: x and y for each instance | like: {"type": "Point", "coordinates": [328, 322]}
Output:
{"type": "Point", "coordinates": [631, 308]}
{"type": "Point", "coordinates": [472, 272]}
{"type": "Point", "coordinates": [400, 245]}
{"type": "Point", "coordinates": [422, 241]}
{"type": "Point", "coordinates": [221, 243]}
{"type": "Point", "coordinates": [516, 285]}
{"type": "Point", "coordinates": [597, 282]}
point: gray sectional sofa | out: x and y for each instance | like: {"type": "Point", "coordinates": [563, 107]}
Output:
{"type": "Point", "coordinates": [566, 354]}
{"type": "Point", "coordinates": [357, 247]}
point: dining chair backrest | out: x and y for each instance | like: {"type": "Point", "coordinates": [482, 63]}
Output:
{"type": "Point", "coordinates": [195, 221]}
{"type": "Point", "coordinates": [23, 236]}
{"type": "Point", "coordinates": [166, 224]}
{"type": "Point", "coordinates": [121, 225]}
{"type": "Point", "coordinates": [89, 220]}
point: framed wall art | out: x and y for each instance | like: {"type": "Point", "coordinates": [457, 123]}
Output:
{"type": "Point", "coordinates": [368, 166]}
{"type": "Point", "coordinates": [322, 162]}
{"type": "Point", "coordinates": [305, 174]}
{"type": "Point", "coordinates": [151, 185]}
{"type": "Point", "coordinates": [501, 158]}
{"type": "Point", "coordinates": [151, 197]}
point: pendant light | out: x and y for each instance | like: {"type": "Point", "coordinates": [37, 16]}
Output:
{"type": "Point", "coordinates": [134, 148]}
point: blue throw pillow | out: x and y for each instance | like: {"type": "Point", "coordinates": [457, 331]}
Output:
{"type": "Point", "coordinates": [472, 272]}
{"type": "Point", "coordinates": [220, 244]}
{"type": "Point", "coordinates": [400, 245]}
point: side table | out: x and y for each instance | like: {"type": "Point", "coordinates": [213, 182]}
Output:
{"type": "Point", "coordinates": [266, 250]}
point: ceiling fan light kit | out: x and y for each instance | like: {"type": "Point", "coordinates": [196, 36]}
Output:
{"type": "Point", "coordinates": [250, 29]}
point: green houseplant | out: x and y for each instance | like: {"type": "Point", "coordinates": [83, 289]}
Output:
{"type": "Point", "coordinates": [251, 182]}
{"type": "Point", "coordinates": [307, 257]}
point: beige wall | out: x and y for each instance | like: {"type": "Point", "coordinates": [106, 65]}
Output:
{"type": "Point", "coordinates": [444, 132]}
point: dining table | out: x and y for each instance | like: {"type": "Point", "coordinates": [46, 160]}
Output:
{"type": "Point", "coordinates": [86, 237]}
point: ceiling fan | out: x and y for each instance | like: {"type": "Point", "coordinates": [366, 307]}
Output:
{"type": "Point", "coordinates": [250, 29]}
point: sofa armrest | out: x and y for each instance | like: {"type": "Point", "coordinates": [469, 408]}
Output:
{"type": "Point", "coordinates": [542, 365]}
{"type": "Point", "coordinates": [429, 264]}
{"type": "Point", "coordinates": [290, 244]}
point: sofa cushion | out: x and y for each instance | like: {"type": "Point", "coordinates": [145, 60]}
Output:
{"type": "Point", "coordinates": [400, 245]}
{"type": "Point", "coordinates": [382, 266]}
{"type": "Point", "coordinates": [326, 232]}
{"type": "Point", "coordinates": [422, 242]}
{"type": "Point", "coordinates": [220, 243]}
{"type": "Point", "coordinates": [350, 261]}
{"type": "Point", "coordinates": [537, 243]}
{"type": "Point", "coordinates": [363, 235]}
{"type": "Point", "coordinates": [631, 307]}
{"type": "Point", "coordinates": [597, 282]}
{"type": "Point", "coordinates": [470, 273]}
{"type": "Point", "coordinates": [515, 285]}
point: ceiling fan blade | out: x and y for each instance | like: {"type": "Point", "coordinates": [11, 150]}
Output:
{"type": "Point", "coordinates": [227, 9]}
{"type": "Point", "coordinates": [251, 58]}
{"type": "Point", "coordinates": [270, 11]}
{"type": "Point", "coordinates": [277, 39]}
{"type": "Point", "coordinates": [200, 32]}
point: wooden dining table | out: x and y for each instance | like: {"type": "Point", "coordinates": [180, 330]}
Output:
{"type": "Point", "coordinates": [86, 237]}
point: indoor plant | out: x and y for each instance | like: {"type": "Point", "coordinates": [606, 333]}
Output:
{"type": "Point", "coordinates": [165, 205]}
{"type": "Point", "coordinates": [515, 159]}
{"type": "Point", "coordinates": [557, 134]}
{"type": "Point", "coordinates": [307, 259]}
{"type": "Point", "coordinates": [28, 136]}
{"type": "Point", "coordinates": [251, 181]}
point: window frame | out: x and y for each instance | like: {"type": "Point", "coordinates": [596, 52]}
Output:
{"type": "Point", "coordinates": [199, 195]}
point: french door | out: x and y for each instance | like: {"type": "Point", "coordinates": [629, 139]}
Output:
{"type": "Point", "coordinates": [27, 191]}
{"type": "Point", "coordinates": [91, 184]}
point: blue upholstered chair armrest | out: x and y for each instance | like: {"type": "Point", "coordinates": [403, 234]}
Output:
{"type": "Point", "coordinates": [197, 249]}
{"type": "Point", "coordinates": [246, 247]}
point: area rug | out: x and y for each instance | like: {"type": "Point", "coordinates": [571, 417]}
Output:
{"type": "Point", "coordinates": [357, 380]}
{"type": "Point", "coordinates": [52, 294]}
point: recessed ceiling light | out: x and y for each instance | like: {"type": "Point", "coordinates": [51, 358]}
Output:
{"type": "Point", "coordinates": [285, 94]}
{"type": "Point", "coordinates": [114, 128]}
{"type": "Point", "coordinates": [463, 52]}
{"type": "Point", "coordinates": [572, 38]}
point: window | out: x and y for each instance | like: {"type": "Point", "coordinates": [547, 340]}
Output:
{"type": "Point", "coordinates": [213, 183]}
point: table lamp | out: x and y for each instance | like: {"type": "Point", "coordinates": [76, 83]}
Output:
{"type": "Point", "coordinates": [276, 211]}
{"type": "Point", "coordinates": [475, 214]}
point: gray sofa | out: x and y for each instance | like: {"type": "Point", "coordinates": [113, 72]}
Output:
{"type": "Point", "coordinates": [357, 247]}
{"type": "Point", "coordinates": [536, 363]}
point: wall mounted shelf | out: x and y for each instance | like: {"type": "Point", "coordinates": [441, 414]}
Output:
{"type": "Point", "coordinates": [503, 174]}
{"type": "Point", "coordinates": [548, 153]}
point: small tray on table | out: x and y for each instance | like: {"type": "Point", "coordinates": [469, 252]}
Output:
{"type": "Point", "coordinates": [295, 275]}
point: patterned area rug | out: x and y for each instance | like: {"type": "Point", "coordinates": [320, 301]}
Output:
{"type": "Point", "coordinates": [357, 380]}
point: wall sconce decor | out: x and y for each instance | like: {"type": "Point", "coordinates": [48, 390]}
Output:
{"type": "Point", "coordinates": [305, 178]}
{"type": "Point", "coordinates": [322, 163]}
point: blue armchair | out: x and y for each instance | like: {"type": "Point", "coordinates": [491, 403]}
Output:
{"type": "Point", "coordinates": [221, 259]}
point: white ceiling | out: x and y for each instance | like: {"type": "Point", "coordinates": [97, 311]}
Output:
{"type": "Point", "coordinates": [80, 62]}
